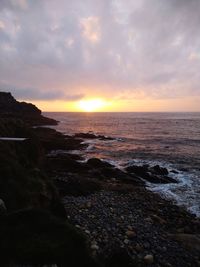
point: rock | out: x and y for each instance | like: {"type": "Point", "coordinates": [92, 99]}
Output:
{"type": "Point", "coordinates": [2, 207]}
{"type": "Point", "coordinates": [154, 175]}
{"type": "Point", "coordinates": [158, 219]}
{"type": "Point", "coordinates": [9, 107]}
{"type": "Point", "coordinates": [130, 234]}
{"type": "Point", "coordinates": [126, 241]}
{"type": "Point", "coordinates": [65, 163]}
{"type": "Point", "coordinates": [190, 241]}
{"type": "Point", "coordinates": [87, 232]}
{"type": "Point", "coordinates": [173, 171]}
{"type": "Point", "coordinates": [138, 248]}
{"type": "Point", "coordinates": [76, 186]}
{"type": "Point", "coordinates": [92, 136]}
{"type": "Point", "coordinates": [94, 246]}
{"type": "Point", "coordinates": [149, 259]}
{"type": "Point", "coordinates": [34, 237]}
{"type": "Point", "coordinates": [138, 170]}
{"type": "Point", "coordinates": [159, 170]}
{"type": "Point", "coordinates": [89, 205]}
{"type": "Point", "coordinates": [97, 163]}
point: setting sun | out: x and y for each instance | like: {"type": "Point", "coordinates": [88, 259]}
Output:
{"type": "Point", "coordinates": [91, 105]}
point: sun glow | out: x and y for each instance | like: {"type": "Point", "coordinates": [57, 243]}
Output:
{"type": "Point", "coordinates": [91, 105]}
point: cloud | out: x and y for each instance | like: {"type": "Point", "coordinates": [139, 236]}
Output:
{"type": "Point", "coordinates": [91, 29]}
{"type": "Point", "coordinates": [142, 48]}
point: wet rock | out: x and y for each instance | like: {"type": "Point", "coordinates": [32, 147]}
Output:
{"type": "Point", "coordinates": [97, 163]}
{"type": "Point", "coordinates": [92, 136]}
{"type": "Point", "coordinates": [159, 170]}
{"type": "Point", "coordinates": [155, 175]}
{"type": "Point", "coordinates": [138, 170]}
{"type": "Point", "coordinates": [173, 171]}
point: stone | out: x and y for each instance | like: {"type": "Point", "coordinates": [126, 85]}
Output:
{"type": "Point", "coordinates": [190, 241]}
{"type": "Point", "coordinates": [94, 246]}
{"type": "Point", "coordinates": [89, 205]}
{"type": "Point", "coordinates": [130, 234]}
{"type": "Point", "coordinates": [87, 232]}
{"type": "Point", "coordinates": [2, 207]}
{"type": "Point", "coordinates": [149, 259]}
{"type": "Point", "coordinates": [97, 163]}
{"type": "Point", "coordinates": [159, 219]}
{"type": "Point", "coordinates": [138, 248]}
{"type": "Point", "coordinates": [160, 171]}
{"type": "Point", "coordinates": [126, 241]}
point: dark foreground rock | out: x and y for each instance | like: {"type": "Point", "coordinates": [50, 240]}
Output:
{"type": "Point", "coordinates": [53, 140]}
{"type": "Point", "coordinates": [156, 174]}
{"type": "Point", "coordinates": [35, 237]}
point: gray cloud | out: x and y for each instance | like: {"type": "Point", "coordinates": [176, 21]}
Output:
{"type": "Point", "coordinates": [144, 47]}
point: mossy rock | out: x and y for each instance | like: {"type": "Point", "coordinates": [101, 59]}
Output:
{"type": "Point", "coordinates": [36, 237]}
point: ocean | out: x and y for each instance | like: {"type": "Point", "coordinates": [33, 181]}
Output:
{"type": "Point", "coordinates": [171, 140]}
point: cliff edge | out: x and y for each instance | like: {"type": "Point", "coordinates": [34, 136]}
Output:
{"type": "Point", "coordinates": [11, 108]}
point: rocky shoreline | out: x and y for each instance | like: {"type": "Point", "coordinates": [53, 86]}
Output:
{"type": "Point", "coordinates": [120, 216]}
{"type": "Point", "coordinates": [58, 208]}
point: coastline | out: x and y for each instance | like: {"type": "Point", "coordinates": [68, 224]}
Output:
{"type": "Point", "coordinates": [117, 221]}
{"type": "Point", "coordinates": [86, 208]}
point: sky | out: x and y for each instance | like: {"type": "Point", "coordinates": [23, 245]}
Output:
{"type": "Point", "coordinates": [107, 55]}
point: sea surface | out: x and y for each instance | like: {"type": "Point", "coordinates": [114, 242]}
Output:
{"type": "Point", "coordinates": [171, 140]}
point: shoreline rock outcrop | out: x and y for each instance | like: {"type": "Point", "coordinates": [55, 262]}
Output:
{"type": "Point", "coordinates": [11, 108]}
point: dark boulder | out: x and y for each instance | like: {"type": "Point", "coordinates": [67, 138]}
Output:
{"type": "Point", "coordinates": [159, 179]}
{"type": "Point", "coordinates": [66, 164]}
{"type": "Point", "coordinates": [157, 174]}
{"type": "Point", "coordinates": [78, 186]}
{"type": "Point", "coordinates": [53, 140]}
{"type": "Point", "coordinates": [97, 163]}
{"type": "Point", "coordinates": [138, 170]}
{"type": "Point", "coordinates": [159, 170]}
{"type": "Point", "coordinates": [92, 136]}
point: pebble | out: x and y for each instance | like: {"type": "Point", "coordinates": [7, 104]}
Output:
{"type": "Point", "coordinates": [94, 247]}
{"type": "Point", "coordinates": [126, 241]}
{"type": "Point", "coordinates": [149, 259]}
{"type": "Point", "coordinates": [138, 248]}
{"type": "Point", "coordinates": [121, 220]}
{"type": "Point", "coordinates": [130, 234]}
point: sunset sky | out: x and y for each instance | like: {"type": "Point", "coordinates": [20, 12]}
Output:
{"type": "Point", "coordinates": [102, 55]}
